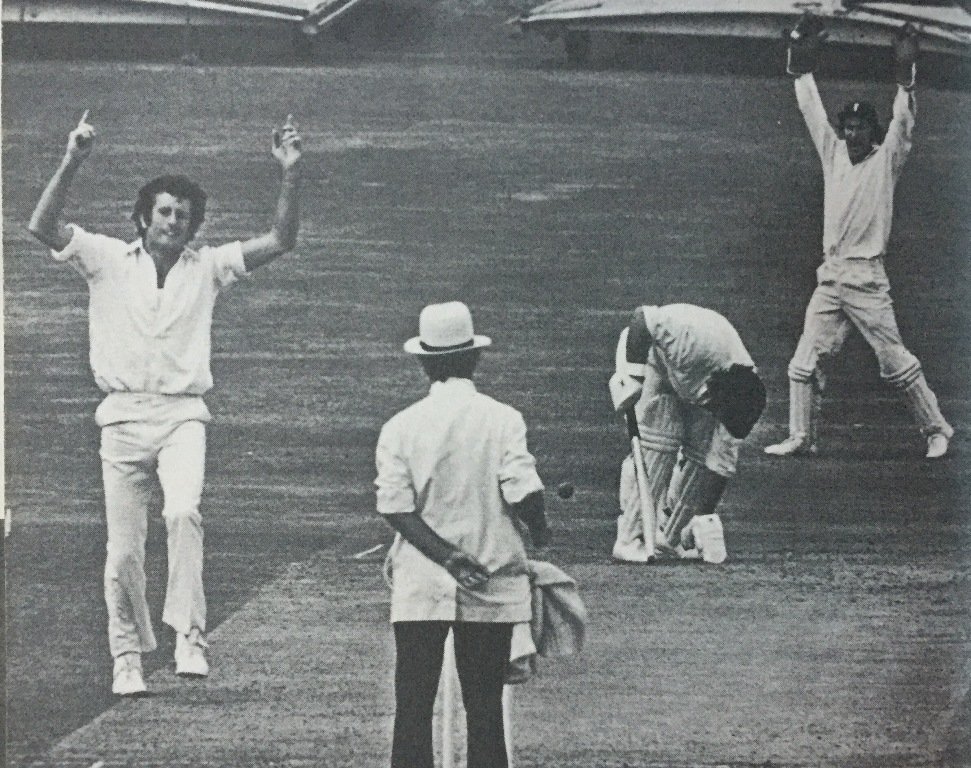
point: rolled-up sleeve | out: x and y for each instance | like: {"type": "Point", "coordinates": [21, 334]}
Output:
{"type": "Point", "coordinates": [517, 474]}
{"type": "Point", "coordinates": [395, 494]}
{"type": "Point", "coordinates": [227, 263]}
{"type": "Point", "coordinates": [85, 251]}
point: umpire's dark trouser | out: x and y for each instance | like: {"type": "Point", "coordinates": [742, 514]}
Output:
{"type": "Point", "coordinates": [481, 656]}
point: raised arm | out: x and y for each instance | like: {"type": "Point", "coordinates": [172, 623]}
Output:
{"type": "Point", "coordinates": [906, 46]}
{"type": "Point", "coordinates": [900, 132]}
{"type": "Point", "coordinates": [802, 56]}
{"type": "Point", "coordinates": [45, 222]}
{"type": "Point", "coordinates": [282, 237]}
{"type": "Point", "coordinates": [814, 113]}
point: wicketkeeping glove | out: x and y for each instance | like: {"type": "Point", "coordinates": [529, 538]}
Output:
{"type": "Point", "coordinates": [805, 41]}
{"type": "Point", "coordinates": [906, 45]}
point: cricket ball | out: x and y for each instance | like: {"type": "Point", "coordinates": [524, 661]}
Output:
{"type": "Point", "coordinates": [564, 490]}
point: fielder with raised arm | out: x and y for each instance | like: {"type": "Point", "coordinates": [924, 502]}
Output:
{"type": "Point", "coordinates": [861, 167]}
{"type": "Point", "coordinates": [690, 391]}
{"type": "Point", "coordinates": [150, 315]}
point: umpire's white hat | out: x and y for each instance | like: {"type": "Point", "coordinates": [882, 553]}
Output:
{"type": "Point", "coordinates": [444, 329]}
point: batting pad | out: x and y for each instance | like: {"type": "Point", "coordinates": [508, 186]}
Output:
{"type": "Point", "coordinates": [695, 490]}
{"type": "Point", "coordinates": [803, 402]}
{"type": "Point", "coordinates": [629, 544]}
{"type": "Point", "coordinates": [923, 405]}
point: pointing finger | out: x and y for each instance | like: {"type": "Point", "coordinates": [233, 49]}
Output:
{"type": "Point", "coordinates": [84, 117]}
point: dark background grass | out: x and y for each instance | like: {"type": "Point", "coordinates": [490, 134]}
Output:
{"type": "Point", "coordinates": [553, 202]}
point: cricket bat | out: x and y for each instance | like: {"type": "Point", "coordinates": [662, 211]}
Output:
{"type": "Point", "coordinates": [648, 513]}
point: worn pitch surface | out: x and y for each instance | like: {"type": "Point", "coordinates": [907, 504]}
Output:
{"type": "Point", "coordinates": [552, 202]}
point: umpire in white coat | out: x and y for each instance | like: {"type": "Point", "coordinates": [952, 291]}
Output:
{"type": "Point", "coordinates": [454, 475]}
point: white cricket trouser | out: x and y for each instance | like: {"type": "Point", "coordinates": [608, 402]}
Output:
{"type": "Point", "coordinates": [856, 293]}
{"type": "Point", "coordinates": [131, 453]}
{"type": "Point", "coordinates": [630, 525]}
{"type": "Point", "coordinates": [851, 293]}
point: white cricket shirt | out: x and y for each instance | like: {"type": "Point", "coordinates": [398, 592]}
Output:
{"type": "Point", "coordinates": [857, 199]}
{"type": "Point", "coordinates": [458, 458]}
{"type": "Point", "coordinates": [147, 340]}
{"type": "Point", "coordinates": [691, 343]}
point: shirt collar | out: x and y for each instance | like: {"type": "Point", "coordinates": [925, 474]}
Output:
{"type": "Point", "coordinates": [452, 387]}
{"type": "Point", "coordinates": [871, 153]}
{"type": "Point", "coordinates": [137, 246]}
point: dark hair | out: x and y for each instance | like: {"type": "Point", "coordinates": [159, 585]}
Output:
{"type": "Point", "coordinates": [178, 186]}
{"type": "Point", "coordinates": [737, 398]}
{"type": "Point", "coordinates": [460, 365]}
{"type": "Point", "coordinates": [862, 110]}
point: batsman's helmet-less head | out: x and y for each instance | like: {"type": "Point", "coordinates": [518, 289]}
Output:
{"type": "Point", "coordinates": [862, 110]}
{"type": "Point", "coordinates": [181, 187]}
{"type": "Point", "coordinates": [736, 397]}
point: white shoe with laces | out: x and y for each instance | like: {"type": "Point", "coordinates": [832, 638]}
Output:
{"type": "Point", "coordinates": [633, 552]}
{"type": "Point", "coordinates": [190, 654]}
{"type": "Point", "coordinates": [937, 445]}
{"type": "Point", "coordinates": [127, 677]}
{"type": "Point", "coordinates": [796, 445]}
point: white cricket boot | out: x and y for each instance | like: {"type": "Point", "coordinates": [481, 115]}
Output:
{"type": "Point", "coordinates": [190, 655]}
{"type": "Point", "coordinates": [937, 445]}
{"type": "Point", "coordinates": [796, 445]}
{"type": "Point", "coordinates": [127, 677]}
{"type": "Point", "coordinates": [630, 551]}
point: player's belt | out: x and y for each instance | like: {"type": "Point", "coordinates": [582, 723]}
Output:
{"type": "Point", "coordinates": [833, 254]}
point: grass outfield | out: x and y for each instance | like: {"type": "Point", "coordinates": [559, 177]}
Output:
{"type": "Point", "coordinates": [552, 202]}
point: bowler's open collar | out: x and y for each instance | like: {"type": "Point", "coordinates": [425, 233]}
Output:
{"type": "Point", "coordinates": [137, 246]}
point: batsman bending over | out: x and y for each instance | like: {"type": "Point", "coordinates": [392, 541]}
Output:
{"type": "Point", "coordinates": [861, 166]}
{"type": "Point", "coordinates": [686, 380]}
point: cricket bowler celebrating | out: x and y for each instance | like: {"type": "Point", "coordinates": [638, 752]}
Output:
{"type": "Point", "coordinates": [149, 320]}
{"type": "Point", "coordinates": [454, 478]}
{"type": "Point", "coordinates": [690, 393]}
{"type": "Point", "coordinates": [861, 167]}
